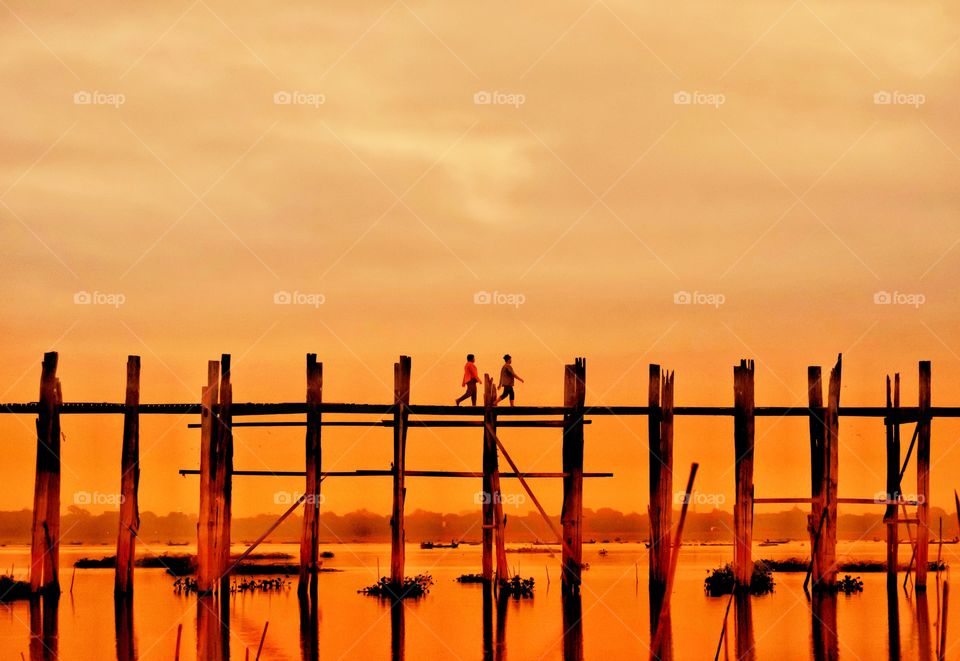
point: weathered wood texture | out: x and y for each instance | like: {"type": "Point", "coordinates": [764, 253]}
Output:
{"type": "Point", "coordinates": [660, 461]}
{"type": "Point", "coordinates": [491, 467]}
{"type": "Point", "coordinates": [923, 477]}
{"type": "Point", "coordinates": [310, 537]}
{"type": "Point", "coordinates": [743, 430]}
{"type": "Point", "coordinates": [129, 482]}
{"type": "Point", "coordinates": [893, 479]}
{"type": "Point", "coordinates": [45, 539]}
{"type": "Point", "coordinates": [207, 560]}
{"type": "Point", "coordinates": [571, 516]}
{"type": "Point", "coordinates": [827, 549]}
{"type": "Point", "coordinates": [401, 404]}
{"type": "Point", "coordinates": [223, 488]}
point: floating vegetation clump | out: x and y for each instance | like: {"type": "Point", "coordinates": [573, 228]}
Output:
{"type": "Point", "coordinates": [854, 566]}
{"type": "Point", "coordinates": [413, 587]}
{"type": "Point", "coordinates": [849, 585]}
{"type": "Point", "coordinates": [261, 585]}
{"type": "Point", "coordinates": [516, 587]}
{"type": "Point", "coordinates": [470, 578]}
{"type": "Point", "coordinates": [720, 581]}
{"type": "Point", "coordinates": [326, 554]}
{"type": "Point", "coordinates": [13, 590]}
{"type": "Point", "coordinates": [185, 584]}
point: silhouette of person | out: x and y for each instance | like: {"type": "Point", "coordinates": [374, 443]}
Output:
{"type": "Point", "coordinates": [507, 378]}
{"type": "Point", "coordinates": [470, 379]}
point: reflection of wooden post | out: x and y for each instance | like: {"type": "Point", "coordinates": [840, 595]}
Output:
{"type": "Point", "coordinates": [831, 420]}
{"type": "Point", "coordinates": [45, 540]}
{"type": "Point", "coordinates": [743, 429]}
{"type": "Point", "coordinates": [129, 481]}
{"type": "Point", "coordinates": [923, 476]}
{"type": "Point", "coordinates": [207, 560]}
{"type": "Point", "coordinates": [571, 517]}
{"type": "Point", "coordinates": [743, 619]}
{"type": "Point", "coordinates": [223, 491]}
{"type": "Point", "coordinates": [310, 538]}
{"type": "Point", "coordinates": [893, 477]}
{"type": "Point", "coordinates": [825, 642]}
{"type": "Point", "coordinates": [401, 403]}
{"type": "Point", "coordinates": [660, 445]}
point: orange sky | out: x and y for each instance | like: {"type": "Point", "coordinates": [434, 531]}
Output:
{"type": "Point", "coordinates": [584, 188]}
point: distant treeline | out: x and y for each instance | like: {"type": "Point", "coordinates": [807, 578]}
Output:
{"type": "Point", "coordinates": [602, 525]}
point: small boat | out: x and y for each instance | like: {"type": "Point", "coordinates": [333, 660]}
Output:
{"type": "Point", "coordinates": [169, 543]}
{"type": "Point", "coordinates": [435, 545]}
{"type": "Point", "coordinates": [773, 542]}
{"type": "Point", "coordinates": [603, 551]}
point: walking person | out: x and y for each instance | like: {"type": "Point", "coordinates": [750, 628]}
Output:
{"type": "Point", "coordinates": [470, 379]}
{"type": "Point", "coordinates": [507, 378]}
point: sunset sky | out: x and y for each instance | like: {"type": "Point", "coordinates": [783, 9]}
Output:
{"type": "Point", "coordinates": [349, 156]}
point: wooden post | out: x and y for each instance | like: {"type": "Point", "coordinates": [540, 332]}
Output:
{"type": "Point", "coordinates": [923, 477]}
{"type": "Point", "coordinates": [660, 433]}
{"type": "Point", "coordinates": [45, 540]}
{"type": "Point", "coordinates": [223, 490]}
{"type": "Point", "coordinates": [893, 478]}
{"type": "Point", "coordinates": [828, 537]}
{"type": "Point", "coordinates": [571, 517]}
{"type": "Point", "coordinates": [817, 467]}
{"type": "Point", "coordinates": [401, 403]}
{"type": "Point", "coordinates": [496, 495]}
{"type": "Point", "coordinates": [207, 559]}
{"type": "Point", "coordinates": [310, 538]}
{"type": "Point", "coordinates": [743, 429]}
{"type": "Point", "coordinates": [129, 482]}
{"type": "Point", "coordinates": [486, 493]}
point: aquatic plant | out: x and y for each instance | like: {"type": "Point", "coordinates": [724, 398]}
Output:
{"type": "Point", "coordinates": [720, 581]}
{"type": "Point", "coordinates": [470, 578]}
{"type": "Point", "coordinates": [412, 587]}
{"type": "Point", "coordinates": [516, 587]}
{"type": "Point", "coordinates": [13, 590]}
{"type": "Point", "coordinates": [849, 585]}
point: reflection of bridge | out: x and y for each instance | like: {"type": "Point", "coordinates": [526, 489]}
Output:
{"type": "Point", "coordinates": [217, 413]}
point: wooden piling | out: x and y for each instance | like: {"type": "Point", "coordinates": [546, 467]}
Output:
{"type": "Point", "coordinates": [571, 517]}
{"type": "Point", "coordinates": [743, 427]}
{"type": "Point", "coordinates": [660, 462]}
{"type": "Point", "coordinates": [45, 538]}
{"type": "Point", "coordinates": [923, 477]}
{"type": "Point", "coordinates": [129, 482]}
{"type": "Point", "coordinates": [223, 488]}
{"type": "Point", "coordinates": [207, 559]}
{"type": "Point", "coordinates": [310, 538]}
{"type": "Point", "coordinates": [401, 405]}
{"type": "Point", "coordinates": [827, 549]}
{"type": "Point", "coordinates": [890, 516]}
{"type": "Point", "coordinates": [492, 497]}
{"type": "Point", "coordinates": [817, 465]}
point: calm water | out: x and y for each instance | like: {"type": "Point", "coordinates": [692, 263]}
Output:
{"type": "Point", "coordinates": [454, 622]}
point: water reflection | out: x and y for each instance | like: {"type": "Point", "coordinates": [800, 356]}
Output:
{"type": "Point", "coordinates": [893, 620]}
{"type": "Point", "coordinates": [494, 638]}
{"type": "Point", "coordinates": [398, 638]}
{"type": "Point", "coordinates": [572, 627]}
{"type": "Point", "coordinates": [123, 626]}
{"type": "Point", "coordinates": [213, 630]}
{"type": "Point", "coordinates": [661, 644]}
{"type": "Point", "coordinates": [743, 616]}
{"type": "Point", "coordinates": [824, 621]}
{"type": "Point", "coordinates": [44, 623]}
{"type": "Point", "coordinates": [309, 625]}
{"type": "Point", "coordinates": [923, 626]}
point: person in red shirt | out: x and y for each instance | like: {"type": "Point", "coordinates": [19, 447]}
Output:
{"type": "Point", "coordinates": [470, 379]}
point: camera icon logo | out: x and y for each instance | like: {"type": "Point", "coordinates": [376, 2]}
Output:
{"type": "Point", "coordinates": [882, 298]}
{"type": "Point", "coordinates": [82, 298]}
{"type": "Point", "coordinates": [882, 98]}
{"type": "Point", "coordinates": [482, 298]}
{"type": "Point", "coordinates": [282, 98]}
{"type": "Point", "coordinates": [282, 298]}
{"type": "Point", "coordinates": [82, 98]}
{"type": "Point", "coordinates": [82, 498]}
{"type": "Point", "coordinates": [282, 498]}
{"type": "Point", "coordinates": [682, 298]}
{"type": "Point", "coordinates": [682, 98]}
{"type": "Point", "coordinates": [482, 98]}
{"type": "Point", "coordinates": [481, 498]}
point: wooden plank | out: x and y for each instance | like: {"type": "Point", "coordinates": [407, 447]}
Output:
{"type": "Point", "coordinates": [45, 537]}
{"type": "Point", "coordinates": [206, 526]}
{"type": "Point", "coordinates": [923, 477]}
{"type": "Point", "coordinates": [743, 433]}
{"type": "Point", "coordinates": [310, 538]}
{"type": "Point", "coordinates": [223, 489]}
{"type": "Point", "coordinates": [893, 481]}
{"type": "Point", "coordinates": [571, 515]}
{"type": "Point", "coordinates": [401, 403]}
{"type": "Point", "coordinates": [129, 482]}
